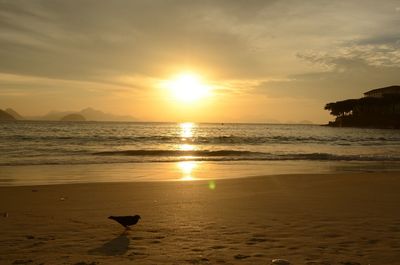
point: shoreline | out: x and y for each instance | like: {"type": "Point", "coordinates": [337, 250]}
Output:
{"type": "Point", "coordinates": [304, 218]}
{"type": "Point", "coordinates": [202, 181]}
{"type": "Point", "coordinates": [176, 171]}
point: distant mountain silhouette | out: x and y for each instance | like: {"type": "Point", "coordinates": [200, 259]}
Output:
{"type": "Point", "coordinates": [89, 114]}
{"type": "Point", "coordinates": [14, 114]}
{"type": "Point", "coordinates": [53, 115]}
{"type": "Point", "coordinates": [97, 115]}
{"type": "Point", "coordinates": [73, 117]}
{"type": "Point", "coordinates": [4, 116]}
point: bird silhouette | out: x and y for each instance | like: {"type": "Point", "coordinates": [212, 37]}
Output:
{"type": "Point", "coordinates": [125, 221]}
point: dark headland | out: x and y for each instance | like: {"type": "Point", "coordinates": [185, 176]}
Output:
{"type": "Point", "coordinates": [379, 108]}
{"type": "Point", "coordinates": [5, 116]}
{"type": "Point", "coordinates": [73, 117]}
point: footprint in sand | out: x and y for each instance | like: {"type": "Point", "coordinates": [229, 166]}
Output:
{"type": "Point", "coordinates": [22, 261]}
{"type": "Point", "coordinates": [152, 231]}
{"type": "Point", "coordinates": [373, 241]}
{"type": "Point", "coordinates": [136, 238]}
{"type": "Point", "coordinates": [257, 238]}
{"type": "Point", "coordinates": [318, 263]}
{"type": "Point", "coordinates": [86, 263]}
{"type": "Point", "coordinates": [218, 247]}
{"type": "Point", "coordinates": [241, 256]}
{"type": "Point", "coordinates": [197, 250]}
{"type": "Point", "coordinates": [198, 261]}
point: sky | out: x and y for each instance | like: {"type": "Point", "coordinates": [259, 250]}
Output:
{"type": "Point", "coordinates": [263, 60]}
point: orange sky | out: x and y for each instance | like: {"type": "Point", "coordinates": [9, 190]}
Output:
{"type": "Point", "coordinates": [264, 61]}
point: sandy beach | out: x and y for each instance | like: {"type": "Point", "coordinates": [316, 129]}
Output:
{"type": "Point", "coordinates": [305, 219]}
{"type": "Point", "coordinates": [174, 132]}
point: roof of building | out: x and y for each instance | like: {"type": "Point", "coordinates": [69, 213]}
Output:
{"type": "Point", "coordinates": [388, 89]}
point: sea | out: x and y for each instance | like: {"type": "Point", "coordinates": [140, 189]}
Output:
{"type": "Point", "coordinates": [50, 152]}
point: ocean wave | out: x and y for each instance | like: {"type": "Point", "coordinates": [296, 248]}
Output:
{"type": "Point", "coordinates": [229, 155]}
{"type": "Point", "coordinates": [194, 153]}
{"type": "Point", "coordinates": [157, 156]}
{"type": "Point", "coordinates": [204, 140]}
{"type": "Point", "coordinates": [57, 143]}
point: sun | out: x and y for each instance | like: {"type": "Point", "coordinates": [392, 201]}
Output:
{"type": "Point", "coordinates": [188, 87]}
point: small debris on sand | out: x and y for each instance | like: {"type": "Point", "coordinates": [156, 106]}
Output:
{"type": "Point", "coordinates": [280, 262]}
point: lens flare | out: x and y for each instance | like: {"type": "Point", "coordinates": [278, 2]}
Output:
{"type": "Point", "coordinates": [212, 185]}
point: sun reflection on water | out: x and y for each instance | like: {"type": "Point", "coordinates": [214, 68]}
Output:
{"type": "Point", "coordinates": [186, 133]}
{"type": "Point", "coordinates": [186, 147]}
{"type": "Point", "coordinates": [186, 130]}
{"type": "Point", "coordinates": [186, 168]}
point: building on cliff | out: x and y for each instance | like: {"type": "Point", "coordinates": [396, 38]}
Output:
{"type": "Point", "coordinates": [379, 108]}
{"type": "Point", "coordinates": [381, 92]}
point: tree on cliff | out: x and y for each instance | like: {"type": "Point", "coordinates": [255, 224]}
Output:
{"type": "Point", "coordinates": [379, 112]}
{"type": "Point", "coordinates": [341, 108]}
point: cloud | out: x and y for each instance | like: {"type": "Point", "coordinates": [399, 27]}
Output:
{"type": "Point", "coordinates": [356, 56]}
{"type": "Point", "coordinates": [347, 71]}
{"type": "Point", "coordinates": [282, 49]}
{"type": "Point", "coordinates": [97, 40]}
{"type": "Point", "coordinates": [234, 39]}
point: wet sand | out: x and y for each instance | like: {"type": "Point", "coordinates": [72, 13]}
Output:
{"type": "Point", "coordinates": [306, 219]}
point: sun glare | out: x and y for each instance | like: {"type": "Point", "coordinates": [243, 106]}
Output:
{"type": "Point", "coordinates": [186, 168]}
{"type": "Point", "coordinates": [188, 87]}
{"type": "Point", "coordinates": [186, 129]}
